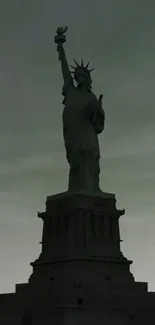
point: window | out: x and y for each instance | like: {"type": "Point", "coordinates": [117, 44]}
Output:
{"type": "Point", "coordinates": [111, 225]}
{"type": "Point", "coordinates": [80, 301]}
{"type": "Point", "coordinates": [107, 277]}
{"type": "Point", "coordinates": [93, 225]}
{"type": "Point", "coordinates": [66, 221]}
{"type": "Point", "coordinates": [52, 278]}
{"type": "Point", "coordinates": [58, 226]}
{"type": "Point", "coordinates": [26, 320]}
{"type": "Point", "coordinates": [78, 285]}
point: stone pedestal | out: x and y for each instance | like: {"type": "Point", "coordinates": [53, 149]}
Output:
{"type": "Point", "coordinates": [81, 276]}
{"type": "Point", "coordinates": [81, 260]}
{"type": "Point", "coordinates": [81, 227]}
{"type": "Point", "coordinates": [81, 230]}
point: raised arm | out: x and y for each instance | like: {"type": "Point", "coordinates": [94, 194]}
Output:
{"type": "Point", "coordinates": [64, 64]}
{"type": "Point", "coordinates": [59, 40]}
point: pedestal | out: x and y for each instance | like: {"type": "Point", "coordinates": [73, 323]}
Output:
{"type": "Point", "coordinates": [81, 247]}
{"type": "Point", "coordinates": [81, 276]}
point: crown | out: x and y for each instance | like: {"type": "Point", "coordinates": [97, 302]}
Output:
{"type": "Point", "coordinates": [81, 67]}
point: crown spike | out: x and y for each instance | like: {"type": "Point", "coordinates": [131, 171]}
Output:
{"type": "Point", "coordinates": [82, 65]}
{"type": "Point", "coordinates": [91, 70]}
{"type": "Point", "coordinates": [76, 63]}
{"type": "Point", "coordinates": [87, 65]}
{"type": "Point", "coordinates": [72, 66]}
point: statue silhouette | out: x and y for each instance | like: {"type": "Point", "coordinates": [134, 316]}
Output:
{"type": "Point", "coordinates": [83, 120]}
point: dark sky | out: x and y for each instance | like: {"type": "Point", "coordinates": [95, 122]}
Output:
{"type": "Point", "coordinates": [118, 37]}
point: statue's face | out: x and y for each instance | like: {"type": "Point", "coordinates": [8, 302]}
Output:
{"type": "Point", "coordinates": [83, 78]}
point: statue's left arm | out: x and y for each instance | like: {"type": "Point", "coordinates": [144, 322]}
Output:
{"type": "Point", "coordinates": [99, 117]}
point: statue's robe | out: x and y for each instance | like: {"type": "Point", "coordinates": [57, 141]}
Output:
{"type": "Point", "coordinates": [83, 120]}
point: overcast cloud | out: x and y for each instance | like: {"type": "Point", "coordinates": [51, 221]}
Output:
{"type": "Point", "coordinates": [117, 36]}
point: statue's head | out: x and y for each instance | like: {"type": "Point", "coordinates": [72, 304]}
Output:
{"type": "Point", "coordinates": [82, 74]}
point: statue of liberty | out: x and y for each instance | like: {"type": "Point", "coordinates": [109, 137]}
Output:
{"type": "Point", "coordinates": [83, 119]}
